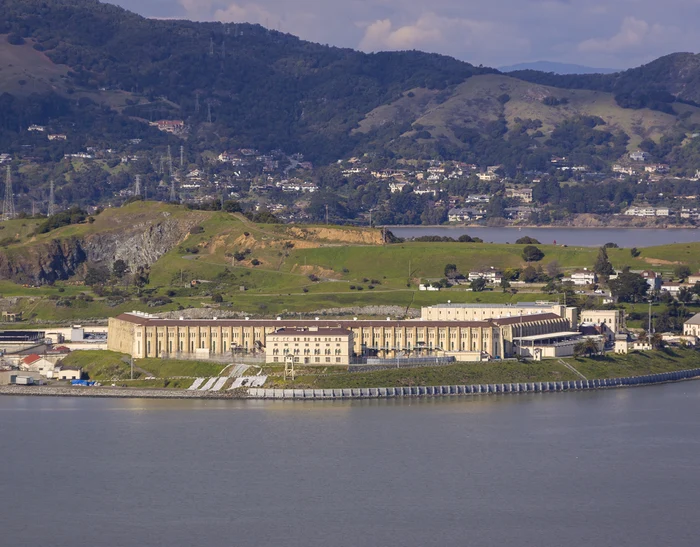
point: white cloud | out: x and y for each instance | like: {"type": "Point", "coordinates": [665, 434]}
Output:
{"type": "Point", "coordinates": [461, 37]}
{"type": "Point", "coordinates": [614, 33]}
{"type": "Point", "coordinates": [633, 34]}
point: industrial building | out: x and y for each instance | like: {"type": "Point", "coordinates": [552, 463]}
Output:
{"type": "Point", "coordinates": [309, 346]}
{"type": "Point", "coordinates": [143, 335]}
{"type": "Point", "coordinates": [484, 312]}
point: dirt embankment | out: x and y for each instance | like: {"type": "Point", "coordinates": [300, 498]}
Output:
{"type": "Point", "coordinates": [336, 235]}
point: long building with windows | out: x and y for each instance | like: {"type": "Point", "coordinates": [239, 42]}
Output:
{"type": "Point", "coordinates": [485, 312]}
{"type": "Point", "coordinates": [142, 335]}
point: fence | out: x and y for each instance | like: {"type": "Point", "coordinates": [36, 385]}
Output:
{"type": "Point", "coordinates": [437, 391]}
{"type": "Point", "coordinates": [399, 362]}
{"type": "Point", "coordinates": [216, 358]}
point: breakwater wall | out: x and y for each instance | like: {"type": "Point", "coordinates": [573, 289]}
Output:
{"type": "Point", "coordinates": [113, 393]}
{"type": "Point", "coordinates": [442, 391]}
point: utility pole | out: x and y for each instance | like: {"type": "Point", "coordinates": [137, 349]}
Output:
{"type": "Point", "coordinates": [649, 330]}
{"type": "Point", "coordinates": [132, 368]}
{"type": "Point", "coordinates": [211, 47]}
{"type": "Point", "coordinates": [196, 102]}
{"type": "Point", "coordinates": [326, 214]}
{"type": "Point", "coordinates": [182, 157]}
{"type": "Point", "coordinates": [8, 209]}
{"type": "Point", "coordinates": [209, 111]}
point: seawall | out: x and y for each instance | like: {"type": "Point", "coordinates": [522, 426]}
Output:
{"type": "Point", "coordinates": [354, 393]}
{"type": "Point", "coordinates": [461, 390]}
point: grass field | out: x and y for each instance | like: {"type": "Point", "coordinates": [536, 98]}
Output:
{"type": "Point", "coordinates": [109, 366]}
{"type": "Point", "coordinates": [636, 364]}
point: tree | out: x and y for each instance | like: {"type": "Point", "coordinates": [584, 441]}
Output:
{"type": "Point", "coordinates": [629, 287]}
{"type": "Point", "coordinates": [532, 254]}
{"type": "Point", "coordinates": [529, 275]}
{"type": "Point", "coordinates": [682, 272]}
{"type": "Point", "coordinates": [527, 240]}
{"type": "Point", "coordinates": [635, 252]}
{"type": "Point", "coordinates": [119, 268]}
{"type": "Point", "coordinates": [553, 269]}
{"type": "Point", "coordinates": [478, 284]}
{"type": "Point", "coordinates": [217, 298]}
{"type": "Point", "coordinates": [451, 271]}
{"type": "Point", "coordinates": [686, 295]}
{"type": "Point", "coordinates": [505, 284]}
{"type": "Point", "coordinates": [611, 245]}
{"type": "Point", "coordinates": [602, 266]}
{"type": "Point", "coordinates": [657, 341]}
{"type": "Point", "coordinates": [96, 275]}
{"type": "Point", "coordinates": [587, 347]}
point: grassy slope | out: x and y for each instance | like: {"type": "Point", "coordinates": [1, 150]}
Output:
{"type": "Point", "coordinates": [110, 366]}
{"type": "Point", "coordinates": [340, 257]}
{"type": "Point", "coordinates": [636, 364]}
{"type": "Point", "coordinates": [474, 103]}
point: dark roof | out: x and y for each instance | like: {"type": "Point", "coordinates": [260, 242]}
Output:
{"type": "Point", "coordinates": [308, 332]}
{"type": "Point", "coordinates": [331, 323]}
{"type": "Point", "coordinates": [526, 318]}
{"type": "Point", "coordinates": [292, 323]}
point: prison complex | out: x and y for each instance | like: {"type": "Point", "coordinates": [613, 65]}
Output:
{"type": "Point", "coordinates": [143, 335]}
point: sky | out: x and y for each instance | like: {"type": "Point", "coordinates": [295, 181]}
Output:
{"type": "Point", "coordinates": [596, 33]}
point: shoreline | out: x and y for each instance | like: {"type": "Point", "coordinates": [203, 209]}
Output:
{"type": "Point", "coordinates": [356, 393]}
{"type": "Point", "coordinates": [543, 227]}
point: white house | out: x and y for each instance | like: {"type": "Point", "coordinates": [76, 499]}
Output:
{"type": "Point", "coordinates": [491, 276]}
{"type": "Point", "coordinates": [584, 277]}
{"type": "Point", "coordinates": [692, 326]}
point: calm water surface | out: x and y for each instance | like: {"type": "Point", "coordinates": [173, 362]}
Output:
{"type": "Point", "coordinates": [585, 237]}
{"type": "Point", "coordinates": [617, 468]}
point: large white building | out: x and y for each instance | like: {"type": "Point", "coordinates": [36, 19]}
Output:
{"type": "Point", "coordinates": [484, 312]}
{"type": "Point", "coordinates": [692, 326]}
{"type": "Point", "coordinates": [310, 346]}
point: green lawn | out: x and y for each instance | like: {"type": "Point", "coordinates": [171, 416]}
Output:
{"type": "Point", "coordinates": [101, 365]}
{"type": "Point", "coordinates": [461, 373]}
{"type": "Point", "coordinates": [637, 363]}
{"type": "Point", "coordinates": [168, 368]}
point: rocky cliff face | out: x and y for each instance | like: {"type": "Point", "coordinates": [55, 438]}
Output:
{"type": "Point", "coordinates": [44, 263]}
{"type": "Point", "coordinates": [139, 244]}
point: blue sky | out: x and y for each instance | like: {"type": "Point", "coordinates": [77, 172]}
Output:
{"type": "Point", "coordinates": [599, 33]}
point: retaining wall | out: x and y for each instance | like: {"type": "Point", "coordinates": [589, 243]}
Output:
{"type": "Point", "coordinates": [439, 391]}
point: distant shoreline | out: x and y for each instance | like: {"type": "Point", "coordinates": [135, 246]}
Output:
{"type": "Point", "coordinates": [528, 227]}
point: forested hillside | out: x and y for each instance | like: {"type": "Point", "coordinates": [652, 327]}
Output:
{"type": "Point", "coordinates": [97, 76]}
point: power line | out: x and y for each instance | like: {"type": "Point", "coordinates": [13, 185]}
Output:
{"type": "Point", "coordinates": [8, 208]}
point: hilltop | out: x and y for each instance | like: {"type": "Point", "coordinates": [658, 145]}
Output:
{"type": "Point", "coordinates": [175, 258]}
{"type": "Point", "coordinates": [102, 73]}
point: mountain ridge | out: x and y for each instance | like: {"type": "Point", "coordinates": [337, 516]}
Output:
{"type": "Point", "coordinates": [557, 68]}
{"type": "Point", "coordinates": [106, 73]}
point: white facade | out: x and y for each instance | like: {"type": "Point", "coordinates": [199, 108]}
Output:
{"type": "Point", "coordinates": [310, 346]}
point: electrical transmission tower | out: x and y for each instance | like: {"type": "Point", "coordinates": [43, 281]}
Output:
{"type": "Point", "coordinates": [170, 162]}
{"type": "Point", "coordinates": [196, 102]}
{"type": "Point", "coordinates": [211, 47]}
{"type": "Point", "coordinates": [52, 200]}
{"type": "Point", "coordinates": [173, 192]}
{"type": "Point", "coordinates": [137, 186]}
{"type": "Point", "coordinates": [182, 157]}
{"type": "Point", "coordinates": [209, 111]}
{"type": "Point", "coordinates": [8, 208]}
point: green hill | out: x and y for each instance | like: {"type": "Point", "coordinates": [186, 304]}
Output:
{"type": "Point", "coordinates": [80, 61]}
